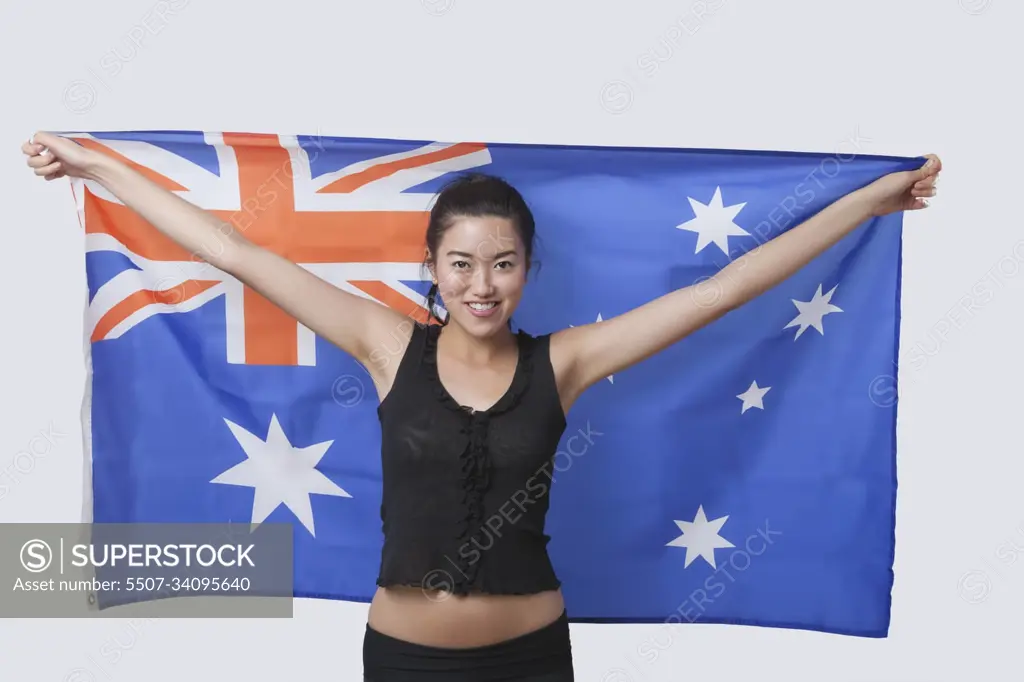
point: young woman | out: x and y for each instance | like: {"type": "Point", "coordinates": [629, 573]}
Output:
{"type": "Point", "coordinates": [470, 410]}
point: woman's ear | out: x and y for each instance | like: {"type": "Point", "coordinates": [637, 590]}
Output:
{"type": "Point", "coordinates": [430, 266]}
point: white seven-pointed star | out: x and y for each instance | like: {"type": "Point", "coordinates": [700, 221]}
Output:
{"type": "Point", "coordinates": [279, 473]}
{"type": "Point", "coordinates": [700, 538]}
{"type": "Point", "coordinates": [713, 222]}
{"type": "Point", "coordinates": [610, 377]}
{"type": "Point", "coordinates": [812, 312]}
{"type": "Point", "coordinates": [753, 397]}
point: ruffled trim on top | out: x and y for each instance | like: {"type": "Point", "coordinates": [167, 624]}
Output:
{"type": "Point", "coordinates": [474, 461]}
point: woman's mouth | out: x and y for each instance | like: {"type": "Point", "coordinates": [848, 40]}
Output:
{"type": "Point", "coordinates": [482, 309]}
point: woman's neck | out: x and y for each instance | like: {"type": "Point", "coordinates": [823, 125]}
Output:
{"type": "Point", "coordinates": [474, 350]}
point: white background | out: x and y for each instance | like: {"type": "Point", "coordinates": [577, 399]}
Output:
{"type": "Point", "coordinates": [910, 77]}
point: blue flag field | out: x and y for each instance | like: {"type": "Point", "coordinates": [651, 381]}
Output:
{"type": "Point", "coordinates": [745, 475]}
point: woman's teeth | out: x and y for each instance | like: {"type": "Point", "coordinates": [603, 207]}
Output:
{"type": "Point", "coordinates": [482, 309]}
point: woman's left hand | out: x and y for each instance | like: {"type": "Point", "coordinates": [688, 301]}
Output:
{"type": "Point", "coordinates": [904, 190]}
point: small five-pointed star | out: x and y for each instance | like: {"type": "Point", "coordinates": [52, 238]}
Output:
{"type": "Point", "coordinates": [700, 538]}
{"type": "Point", "coordinates": [812, 312]}
{"type": "Point", "coordinates": [713, 223]}
{"type": "Point", "coordinates": [279, 473]}
{"type": "Point", "coordinates": [753, 397]}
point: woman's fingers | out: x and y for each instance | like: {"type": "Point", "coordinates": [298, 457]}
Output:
{"type": "Point", "coordinates": [924, 187]}
{"type": "Point", "coordinates": [48, 169]}
{"type": "Point", "coordinates": [40, 160]}
{"type": "Point", "coordinates": [30, 149]}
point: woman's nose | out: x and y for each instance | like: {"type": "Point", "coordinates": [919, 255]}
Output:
{"type": "Point", "coordinates": [482, 284]}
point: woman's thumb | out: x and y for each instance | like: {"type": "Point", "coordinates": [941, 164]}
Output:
{"type": "Point", "coordinates": [45, 139]}
{"type": "Point", "coordinates": [929, 166]}
{"type": "Point", "coordinates": [55, 144]}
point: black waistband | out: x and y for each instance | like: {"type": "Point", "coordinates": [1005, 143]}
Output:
{"type": "Point", "coordinates": [543, 651]}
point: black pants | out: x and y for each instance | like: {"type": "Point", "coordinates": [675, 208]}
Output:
{"type": "Point", "coordinates": [544, 655]}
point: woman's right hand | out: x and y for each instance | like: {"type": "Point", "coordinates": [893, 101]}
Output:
{"type": "Point", "coordinates": [360, 326]}
{"type": "Point", "coordinates": [63, 157]}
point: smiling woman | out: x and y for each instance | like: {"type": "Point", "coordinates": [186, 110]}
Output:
{"type": "Point", "coordinates": [465, 597]}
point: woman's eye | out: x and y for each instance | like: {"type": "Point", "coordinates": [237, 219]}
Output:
{"type": "Point", "coordinates": [505, 262]}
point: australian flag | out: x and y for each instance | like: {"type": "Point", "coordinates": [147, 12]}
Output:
{"type": "Point", "coordinates": [743, 475]}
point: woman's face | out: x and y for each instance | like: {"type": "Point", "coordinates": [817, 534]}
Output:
{"type": "Point", "coordinates": [480, 269]}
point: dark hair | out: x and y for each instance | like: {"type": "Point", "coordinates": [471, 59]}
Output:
{"type": "Point", "coordinates": [476, 195]}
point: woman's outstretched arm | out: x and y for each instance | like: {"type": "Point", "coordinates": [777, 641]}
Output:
{"type": "Point", "coordinates": [355, 324]}
{"type": "Point", "coordinates": [584, 355]}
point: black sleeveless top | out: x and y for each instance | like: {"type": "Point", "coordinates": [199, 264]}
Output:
{"type": "Point", "coordinates": [465, 493]}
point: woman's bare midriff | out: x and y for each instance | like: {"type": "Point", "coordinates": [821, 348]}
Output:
{"type": "Point", "coordinates": [441, 619]}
